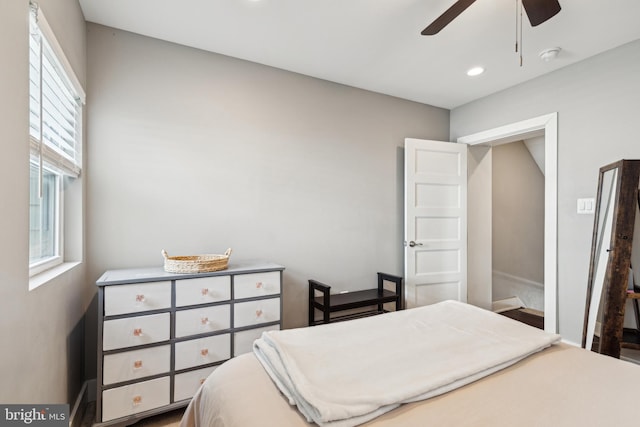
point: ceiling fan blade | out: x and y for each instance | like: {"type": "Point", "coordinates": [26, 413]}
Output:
{"type": "Point", "coordinates": [448, 16]}
{"type": "Point", "coordinates": [539, 11]}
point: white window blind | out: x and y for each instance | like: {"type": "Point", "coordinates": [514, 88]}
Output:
{"type": "Point", "coordinates": [55, 133]}
{"type": "Point", "coordinates": [56, 98]}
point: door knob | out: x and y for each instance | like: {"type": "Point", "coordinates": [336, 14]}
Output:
{"type": "Point", "coordinates": [412, 244]}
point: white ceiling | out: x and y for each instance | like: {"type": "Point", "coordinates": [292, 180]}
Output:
{"type": "Point", "coordinates": [376, 44]}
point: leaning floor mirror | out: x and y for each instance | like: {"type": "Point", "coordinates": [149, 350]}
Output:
{"type": "Point", "coordinates": [611, 274]}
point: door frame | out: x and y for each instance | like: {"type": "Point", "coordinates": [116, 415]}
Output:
{"type": "Point", "coordinates": [522, 130]}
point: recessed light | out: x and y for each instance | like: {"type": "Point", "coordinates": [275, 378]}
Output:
{"type": "Point", "coordinates": [475, 71]}
{"type": "Point", "coordinates": [550, 54]}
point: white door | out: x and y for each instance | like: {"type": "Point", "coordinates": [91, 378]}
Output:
{"type": "Point", "coordinates": [435, 222]}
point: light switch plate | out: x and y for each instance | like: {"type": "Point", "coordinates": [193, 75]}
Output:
{"type": "Point", "coordinates": [586, 206]}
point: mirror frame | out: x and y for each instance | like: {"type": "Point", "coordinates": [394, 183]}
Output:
{"type": "Point", "coordinates": [616, 276]}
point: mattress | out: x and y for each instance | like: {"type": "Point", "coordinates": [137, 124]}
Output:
{"type": "Point", "coordinates": [559, 386]}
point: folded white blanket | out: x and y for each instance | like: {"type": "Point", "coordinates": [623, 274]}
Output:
{"type": "Point", "coordinates": [346, 373]}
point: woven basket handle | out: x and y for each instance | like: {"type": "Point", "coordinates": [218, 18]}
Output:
{"type": "Point", "coordinates": [165, 254]}
{"type": "Point", "coordinates": [227, 252]}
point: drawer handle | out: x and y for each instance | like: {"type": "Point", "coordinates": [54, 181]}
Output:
{"type": "Point", "coordinates": [140, 298]}
{"type": "Point", "coordinates": [205, 292]}
{"type": "Point", "coordinates": [137, 332]}
{"type": "Point", "coordinates": [137, 364]}
{"type": "Point", "coordinates": [258, 285]}
{"type": "Point", "coordinates": [258, 312]}
{"type": "Point", "coordinates": [204, 352]}
{"type": "Point", "coordinates": [137, 400]}
{"type": "Point", "coordinates": [204, 320]}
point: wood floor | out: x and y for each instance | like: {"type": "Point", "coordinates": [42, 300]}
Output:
{"type": "Point", "coordinates": [530, 317]}
{"type": "Point", "coordinates": [168, 419]}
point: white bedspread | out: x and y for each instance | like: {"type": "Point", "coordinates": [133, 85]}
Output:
{"type": "Point", "coordinates": [346, 373]}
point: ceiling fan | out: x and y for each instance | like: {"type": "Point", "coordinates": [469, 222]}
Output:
{"type": "Point", "coordinates": [538, 12]}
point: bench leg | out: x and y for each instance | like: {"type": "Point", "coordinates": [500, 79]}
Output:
{"type": "Point", "coordinates": [312, 314]}
{"type": "Point", "coordinates": [326, 309]}
{"type": "Point", "coordinates": [397, 280]}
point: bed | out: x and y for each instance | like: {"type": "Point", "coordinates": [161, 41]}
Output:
{"type": "Point", "coordinates": [546, 383]}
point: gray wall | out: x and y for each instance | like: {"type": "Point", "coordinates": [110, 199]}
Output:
{"type": "Point", "coordinates": [518, 213]}
{"type": "Point", "coordinates": [598, 106]}
{"type": "Point", "coordinates": [195, 152]}
{"type": "Point", "coordinates": [41, 331]}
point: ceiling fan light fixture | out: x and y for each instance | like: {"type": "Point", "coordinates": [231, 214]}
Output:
{"type": "Point", "coordinates": [549, 54]}
{"type": "Point", "coordinates": [475, 71]}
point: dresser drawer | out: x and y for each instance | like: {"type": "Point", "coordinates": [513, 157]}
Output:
{"type": "Point", "coordinates": [131, 399]}
{"type": "Point", "coordinates": [202, 320]}
{"type": "Point", "coordinates": [134, 331]}
{"type": "Point", "coordinates": [243, 341]}
{"type": "Point", "coordinates": [256, 284]}
{"type": "Point", "coordinates": [186, 385]}
{"type": "Point", "coordinates": [134, 298]}
{"type": "Point", "coordinates": [203, 290]}
{"type": "Point", "coordinates": [256, 312]}
{"type": "Point", "coordinates": [202, 351]}
{"type": "Point", "coordinates": [136, 364]}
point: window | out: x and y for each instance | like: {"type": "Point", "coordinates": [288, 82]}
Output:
{"type": "Point", "coordinates": [44, 213]}
{"type": "Point", "coordinates": [55, 131]}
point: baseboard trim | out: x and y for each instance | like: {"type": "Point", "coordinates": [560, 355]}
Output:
{"type": "Point", "coordinates": [87, 394]}
{"type": "Point", "coordinates": [75, 417]}
{"type": "Point", "coordinates": [519, 280]}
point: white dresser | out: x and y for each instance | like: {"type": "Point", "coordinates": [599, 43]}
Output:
{"type": "Point", "coordinates": [161, 334]}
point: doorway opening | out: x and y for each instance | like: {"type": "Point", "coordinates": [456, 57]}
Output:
{"type": "Point", "coordinates": [481, 277]}
{"type": "Point", "coordinates": [517, 184]}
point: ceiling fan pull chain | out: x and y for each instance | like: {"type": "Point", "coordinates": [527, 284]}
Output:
{"type": "Point", "coordinates": [517, 26]}
{"type": "Point", "coordinates": [521, 44]}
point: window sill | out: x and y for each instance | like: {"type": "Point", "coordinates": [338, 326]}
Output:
{"type": "Point", "coordinates": [49, 275]}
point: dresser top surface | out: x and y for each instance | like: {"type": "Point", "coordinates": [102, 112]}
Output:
{"type": "Point", "coordinates": [153, 274]}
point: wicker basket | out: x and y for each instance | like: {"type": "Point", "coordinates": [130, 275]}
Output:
{"type": "Point", "coordinates": [195, 263]}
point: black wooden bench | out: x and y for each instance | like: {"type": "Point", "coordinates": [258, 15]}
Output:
{"type": "Point", "coordinates": [329, 303]}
